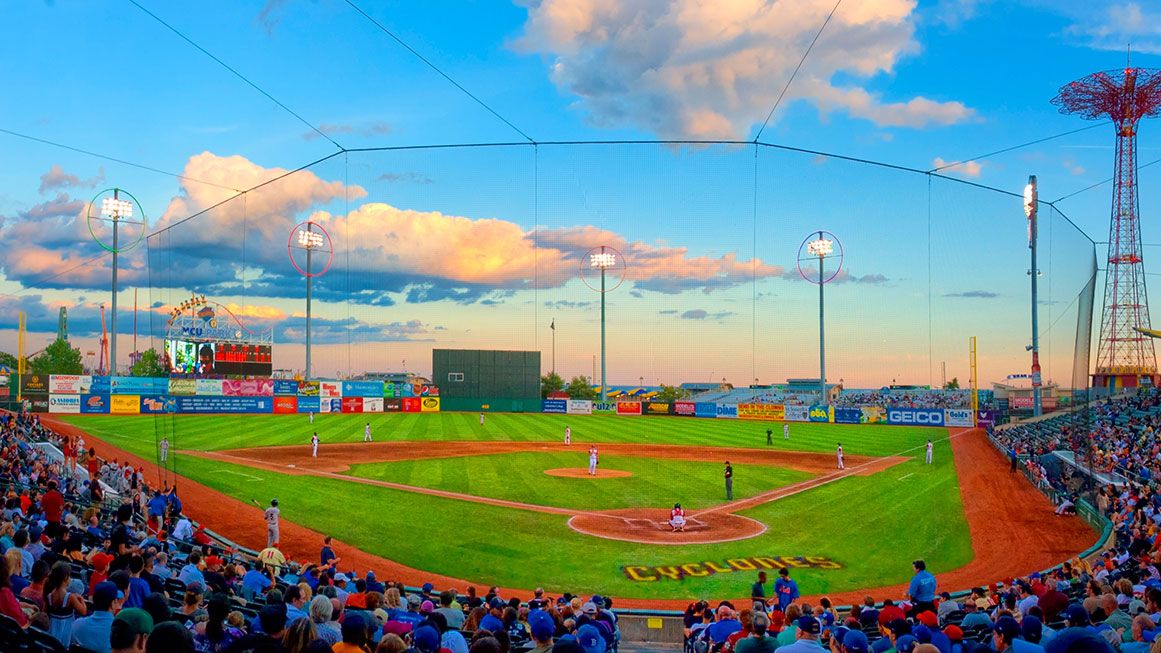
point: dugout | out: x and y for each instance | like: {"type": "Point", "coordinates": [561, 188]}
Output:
{"type": "Point", "coordinates": [487, 380]}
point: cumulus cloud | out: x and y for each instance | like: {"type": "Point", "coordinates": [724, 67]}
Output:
{"type": "Point", "coordinates": [1110, 25]}
{"type": "Point", "coordinates": [57, 178]}
{"type": "Point", "coordinates": [970, 169]}
{"type": "Point", "coordinates": [712, 70]}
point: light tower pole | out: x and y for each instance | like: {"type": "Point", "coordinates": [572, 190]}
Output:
{"type": "Point", "coordinates": [1031, 197]}
{"type": "Point", "coordinates": [818, 247]}
{"type": "Point", "coordinates": [115, 211]}
{"type": "Point", "coordinates": [603, 259]}
{"type": "Point", "coordinates": [309, 237]}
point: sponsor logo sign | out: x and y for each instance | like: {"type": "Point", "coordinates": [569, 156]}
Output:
{"type": "Point", "coordinates": [797, 413]}
{"type": "Point", "coordinates": [678, 572]}
{"type": "Point", "coordinates": [705, 409]}
{"type": "Point", "coordinates": [186, 387]}
{"type": "Point", "coordinates": [285, 405]}
{"type": "Point", "coordinates": [1020, 402]}
{"type": "Point", "coordinates": [687, 408]}
{"type": "Point", "coordinates": [957, 417]}
{"type": "Point", "coordinates": [125, 404]}
{"type": "Point", "coordinates": [157, 404]}
{"type": "Point", "coordinates": [555, 406]}
{"type": "Point", "coordinates": [209, 387]}
{"type": "Point", "coordinates": [655, 408]}
{"type": "Point", "coordinates": [248, 387]}
{"type": "Point", "coordinates": [69, 384]}
{"type": "Point", "coordinates": [761, 411]}
{"type": "Point", "coordinates": [985, 418]}
{"type": "Point", "coordinates": [36, 404]}
{"type": "Point", "coordinates": [580, 407]}
{"type": "Point", "coordinates": [411, 405]}
{"type": "Point", "coordinates": [330, 404]}
{"type": "Point", "coordinates": [628, 408]}
{"type": "Point", "coordinates": [331, 389]}
{"type": "Point", "coordinates": [64, 403]}
{"type": "Point", "coordinates": [873, 414]}
{"type": "Point", "coordinates": [392, 405]}
{"type": "Point", "coordinates": [225, 404]}
{"type": "Point", "coordinates": [372, 404]}
{"type": "Point", "coordinates": [915, 416]}
{"type": "Point", "coordinates": [95, 404]}
{"type": "Point", "coordinates": [1048, 403]}
{"type": "Point", "coordinates": [727, 411]}
{"type": "Point", "coordinates": [820, 414]}
{"type": "Point", "coordinates": [307, 389]}
{"type": "Point", "coordinates": [308, 404]}
{"type": "Point", "coordinates": [138, 385]}
{"type": "Point", "coordinates": [285, 387]}
{"type": "Point", "coordinates": [604, 407]}
{"type": "Point", "coordinates": [362, 388]}
{"type": "Point", "coordinates": [34, 384]}
{"type": "Point", "coordinates": [352, 404]}
{"type": "Point", "coordinates": [848, 416]}
{"type": "Point", "coordinates": [100, 386]}
{"type": "Point", "coordinates": [429, 404]}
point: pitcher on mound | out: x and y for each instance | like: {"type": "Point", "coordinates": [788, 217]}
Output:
{"type": "Point", "coordinates": [593, 459]}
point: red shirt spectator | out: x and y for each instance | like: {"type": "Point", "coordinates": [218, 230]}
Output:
{"type": "Point", "coordinates": [53, 504]}
{"type": "Point", "coordinates": [8, 604]}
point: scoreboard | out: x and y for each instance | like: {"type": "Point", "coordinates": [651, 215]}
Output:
{"type": "Point", "coordinates": [217, 358]}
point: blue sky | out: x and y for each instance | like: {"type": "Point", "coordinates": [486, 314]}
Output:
{"type": "Point", "coordinates": [479, 247]}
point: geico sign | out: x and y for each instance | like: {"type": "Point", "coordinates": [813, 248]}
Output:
{"type": "Point", "coordinates": [917, 417]}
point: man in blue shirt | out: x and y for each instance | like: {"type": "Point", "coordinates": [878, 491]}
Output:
{"type": "Point", "coordinates": [921, 592]}
{"type": "Point", "coordinates": [726, 625]}
{"type": "Point", "coordinates": [327, 556]}
{"type": "Point", "coordinates": [255, 583]}
{"type": "Point", "coordinates": [785, 589]}
{"type": "Point", "coordinates": [92, 632]}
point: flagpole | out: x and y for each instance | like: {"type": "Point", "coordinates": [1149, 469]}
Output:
{"type": "Point", "coordinates": [553, 327]}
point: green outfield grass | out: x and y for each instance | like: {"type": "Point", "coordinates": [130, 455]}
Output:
{"type": "Point", "coordinates": [655, 483]}
{"type": "Point", "coordinates": [872, 526]}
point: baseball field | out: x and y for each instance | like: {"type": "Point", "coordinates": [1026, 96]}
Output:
{"type": "Point", "coordinates": [440, 497]}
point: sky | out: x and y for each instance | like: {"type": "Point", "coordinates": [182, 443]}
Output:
{"type": "Point", "coordinates": [231, 122]}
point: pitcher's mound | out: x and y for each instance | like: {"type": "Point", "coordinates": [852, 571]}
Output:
{"type": "Point", "coordinates": [580, 472]}
{"type": "Point", "coordinates": [650, 526]}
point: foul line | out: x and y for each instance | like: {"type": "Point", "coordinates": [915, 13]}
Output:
{"type": "Point", "coordinates": [230, 471]}
{"type": "Point", "coordinates": [906, 475]}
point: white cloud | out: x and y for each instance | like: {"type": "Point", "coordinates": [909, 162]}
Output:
{"type": "Point", "coordinates": [970, 169]}
{"type": "Point", "coordinates": [1112, 26]}
{"type": "Point", "coordinates": [695, 69]}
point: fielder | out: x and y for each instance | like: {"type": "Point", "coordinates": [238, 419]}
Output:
{"type": "Point", "coordinates": [839, 453]}
{"type": "Point", "coordinates": [311, 414]}
{"type": "Point", "coordinates": [593, 459]}
{"type": "Point", "coordinates": [567, 435]}
{"type": "Point", "coordinates": [164, 449]}
{"type": "Point", "coordinates": [481, 419]}
{"type": "Point", "coordinates": [314, 445]}
{"type": "Point", "coordinates": [272, 524]}
{"type": "Point", "coordinates": [367, 432]}
{"type": "Point", "coordinates": [785, 431]}
{"type": "Point", "coordinates": [929, 448]}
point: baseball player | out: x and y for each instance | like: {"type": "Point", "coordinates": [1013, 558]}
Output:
{"type": "Point", "coordinates": [769, 437]}
{"type": "Point", "coordinates": [314, 445]}
{"type": "Point", "coordinates": [567, 435]}
{"type": "Point", "coordinates": [481, 419]}
{"type": "Point", "coordinates": [677, 518]}
{"type": "Point", "coordinates": [311, 414]}
{"type": "Point", "coordinates": [785, 431]}
{"type": "Point", "coordinates": [593, 459]}
{"type": "Point", "coordinates": [839, 453]}
{"type": "Point", "coordinates": [272, 524]}
{"type": "Point", "coordinates": [367, 432]}
{"type": "Point", "coordinates": [929, 448]}
{"type": "Point", "coordinates": [164, 444]}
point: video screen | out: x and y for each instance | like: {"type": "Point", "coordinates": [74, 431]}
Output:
{"type": "Point", "coordinates": [217, 358]}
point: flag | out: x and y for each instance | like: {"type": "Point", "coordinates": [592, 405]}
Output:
{"type": "Point", "coordinates": [553, 325]}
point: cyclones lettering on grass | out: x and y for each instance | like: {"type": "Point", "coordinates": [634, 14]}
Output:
{"type": "Point", "coordinates": [648, 574]}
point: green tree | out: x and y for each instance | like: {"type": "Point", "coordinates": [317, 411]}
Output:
{"type": "Point", "coordinates": [58, 358]}
{"type": "Point", "coordinates": [550, 383]}
{"type": "Point", "coordinates": [8, 360]}
{"type": "Point", "coordinates": [581, 388]}
{"type": "Point", "coordinates": [953, 384]}
{"type": "Point", "coordinates": [671, 393]}
{"type": "Point", "coordinates": [149, 364]}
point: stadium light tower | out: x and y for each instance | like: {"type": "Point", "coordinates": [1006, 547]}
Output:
{"type": "Point", "coordinates": [1031, 198]}
{"type": "Point", "coordinates": [115, 211]}
{"type": "Point", "coordinates": [310, 237]}
{"type": "Point", "coordinates": [1125, 356]}
{"type": "Point", "coordinates": [819, 247]}
{"type": "Point", "coordinates": [603, 259]}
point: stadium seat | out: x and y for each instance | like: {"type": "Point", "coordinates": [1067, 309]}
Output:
{"type": "Point", "coordinates": [12, 636]}
{"type": "Point", "coordinates": [39, 641]}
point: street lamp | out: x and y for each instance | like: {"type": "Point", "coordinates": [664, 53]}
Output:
{"type": "Point", "coordinates": [1031, 198]}
{"type": "Point", "coordinates": [115, 211]}
{"type": "Point", "coordinates": [604, 259]}
{"type": "Point", "coordinates": [310, 237]}
{"type": "Point", "coordinates": [820, 246]}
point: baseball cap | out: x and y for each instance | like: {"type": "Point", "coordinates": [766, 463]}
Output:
{"type": "Point", "coordinates": [413, 599]}
{"type": "Point", "coordinates": [105, 593]}
{"type": "Point", "coordinates": [590, 639]}
{"type": "Point", "coordinates": [341, 578]}
{"type": "Point", "coordinates": [426, 606]}
{"type": "Point", "coordinates": [427, 587]}
{"type": "Point", "coordinates": [541, 624]}
{"type": "Point", "coordinates": [921, 633]}
{"type": "Point", "coordinates": [425, 639]}
{"type": "Point", "coordinates": [213, 561]}
{"type": "Point", "coordinates": [1076, 615]}
{"type": "Point", "coordinates": [1006, 626]}
{"type": "Point", "coordinates": [567, 644]}
{"type": "Point", "coordinates": [354, 623]}
{"type": "Point", "coordinates": [370, 575]}
{"type": "Point", "coordinates": [954, 633]}
{"type": "Point", "coordinates": [906, 644]}
{"type": "Point", "coordinates": [855, 642]}
{"type": "Point", "coordinates": [809, 625]}
{"type": "Point", "coordinates": [1031, 629]}
{"type": "Point", "coordinates": [589, 608]}
{"type": "Point", "coordinates": [101, 561]}
{"type": "Point", "coordinates": [928, 618]}
{"type": "Point", "coordinates": [1078, 639]}
{"type": "Point", "coordinates": [139, 620]}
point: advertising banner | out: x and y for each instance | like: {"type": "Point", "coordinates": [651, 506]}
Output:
{"type": "Point", "coordinates": [331, 389]}
{"type": "Point", "coordinates": [308, 404]}
{"type": "Point", "coordinates": [985, 418]}
{"type": "Point", "coordinates": [248, 387]}
{"type": "Point", "coordinates": [187, 387]}
{"type": "Point", "coordinates": [957, 417]}
{"type": "Point", "coordinates": [100, 386]}
{"type": "Point", "coordinates": [628, 408]}
{"type": "Point", "coordinates": [95, 404]}
{"type": "Point", "coordinates": [727, 411]}
{"type": "Point", "coordinates": [555, 406]}
{"type": "Point", "coordinates": [820, 414]}
{"type": "Point", "coordinates": [68, 384]}
{"type": "Point", "coordinates": [64, 403]}
{"type": "Point", "coordinates": [125, 404]}
{"type": "Point", "coordinates": [34, 384]}
{"type": "Point", "coordinates": [1020, 402]}
{"type": "Point", "coordinates": [285, 387]}
{"type": "Point", "coordinates": [874, 414]}
{"type": "Point", "coordinates": [655, 408]}
{"type": "Point", "coordinates": [208, 387]}
{"type": "Point", "coordinates": [604, 407]}
{"type": "Point", "coordinates": [392, 389]}
{"type": "Point", "coordinates": [224, 404]}
{"type": "Point", "coordinates": [36, 404]}
{"type": "Point", "coordinates": [705, 409]}
{"type": "Point", "coordinates": [580, 407]}
{"type": "Point", "coordinates": [1048, 402]}
{"type": "Point", "coordinates": [848, 416]}
{"type": "Point", "coordinates": [352, 404]}
{"type": "Point", "coordinates": [797, 413]}
{"type": "Point", "coordinates": [330, 404]}
{"type": "Point", "coordinates": [138, 385]}
{"type": "Point", "coordinates": [154, 404]}
{"type": "Point", "coordinates": [307, 389]}
{"type": "Point", "coordinates": [372, 404]}
{"type": "Point", "coordinates": [686, 408]}
{"type": "Point", "coordinates": [775, 412]}
{"type": "Point", "coordinates": [915, 416]}
{"type": "Point", "coordinates": [392, 405]}
{"type": "Point", "coordinates": [285, 405]}
{"type": "Point", "coordinates": [425, 391]}
{"type": "Point", "coordinates": [362, 388]}
{"type": "Point", "coordinates": [429, 404]}
{"type": "Point", "coordinates": [411, 405]}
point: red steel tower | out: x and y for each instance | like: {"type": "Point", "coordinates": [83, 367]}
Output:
{"type": "Point", "coordinates": [1125, 356]}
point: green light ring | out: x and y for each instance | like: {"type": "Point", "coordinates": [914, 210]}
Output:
{"type": "Point", "coordinates": [89, 222]}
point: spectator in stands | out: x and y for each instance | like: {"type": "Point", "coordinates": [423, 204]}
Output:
{"type": "Point", "coordinates": [295, 600]}
{"type": "Point", "coordinates": [35, 590]}
{"type": "Point", "coordinates": [455, 617]}
{"type": "Point", "coordinates": [853, 641]}
{"type": "Point", "coordinates": [213, 635]}
{"type": "Point", "coordinates": [169, 637]}
{"type": "Point", "coordinates": [8, 604]}
{"type": "Point", "coordinates": [921, 592]}
{"type": "Point", "coordinates": [726, 625]}
{"type": "Point", "coordinates": [355, 635]}
{"type": "Point", "coordinates": [758, 641]}
{"type": "Point", "coordinates": [92, 632]}
{"type": "Point", "coordinates": [191, 573]}
{"type": "Point", "coordinates": [805, 637]}
{"type": "Point", "coordinates": [947, 606]}
{"type": "Point", "coordinates": [302, 637]}
{"type": "Point", "coordinates": [543, 628]}
{"type": "Point", "coordinates": [62, 606]}
{"type": "Point", "coordinates": [130, 631]}
{"type": "Point", "coordinates": [868, 616]}
{"type": "Point", "coordinates": [268, 638]}
{"type": "Point", "coordinates": [320, 613]}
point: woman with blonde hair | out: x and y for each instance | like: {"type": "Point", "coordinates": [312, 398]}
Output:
{"type": "Point", "coordinates": [391, 599]}
{"type": "Point", "coordinates": [298, 636]}
{"type": "Point", "coordinates": [472, 623]}
{"type": "Point", "coordinates": [391, 643]}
